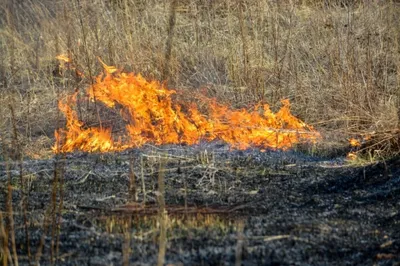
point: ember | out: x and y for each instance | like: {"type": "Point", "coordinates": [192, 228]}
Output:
{"type": "Point", "coordinates": [154, 116]}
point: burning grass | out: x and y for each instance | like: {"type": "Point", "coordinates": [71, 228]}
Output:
{"type": "Point", "coordinates": [152, 115]}
{"type": "Point", "coordinates": [337, 63]}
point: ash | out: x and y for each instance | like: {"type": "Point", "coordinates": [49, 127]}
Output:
{"type": "Point", "coordinates": [222, 207]}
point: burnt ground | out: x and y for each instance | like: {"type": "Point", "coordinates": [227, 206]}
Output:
{"type": "Point", "coordinates": [223, 207]}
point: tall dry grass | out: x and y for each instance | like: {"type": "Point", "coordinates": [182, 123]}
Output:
{"type": "Point", "coordinates": [337, 61]}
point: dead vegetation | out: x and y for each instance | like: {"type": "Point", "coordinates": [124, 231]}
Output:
{"type": "Point", "coordinates": [337, 63]}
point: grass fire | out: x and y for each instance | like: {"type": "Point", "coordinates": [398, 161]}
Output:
{"type": "Point", "coordinates": [199, 132]}
{"type": "Point", "coordinates": [153, 116]}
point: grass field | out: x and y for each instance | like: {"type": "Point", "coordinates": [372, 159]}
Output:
{"type": "Point", "coordinates": [337, 63]}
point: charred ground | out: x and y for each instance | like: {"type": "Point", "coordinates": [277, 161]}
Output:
{"type": "Point", "coordinates": [224, 207]}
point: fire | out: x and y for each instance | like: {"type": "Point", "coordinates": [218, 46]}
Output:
{"type": "Point", "coordinates": [354, 142]}
{"type": "Point", "coordinates": [154, 115]}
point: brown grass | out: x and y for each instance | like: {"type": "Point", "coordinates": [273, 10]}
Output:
{"type": "Point", "coordinates": [337, 63]}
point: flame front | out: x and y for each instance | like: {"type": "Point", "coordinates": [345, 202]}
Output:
{"type": "Point", "coordinates": [153, 115]}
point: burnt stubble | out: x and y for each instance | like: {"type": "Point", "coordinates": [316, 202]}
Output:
{"type": "Point", "coordinates": [222, 207]}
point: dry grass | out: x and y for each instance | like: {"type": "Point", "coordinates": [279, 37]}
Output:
{"type": "Point", "coordinates": [337, 63]}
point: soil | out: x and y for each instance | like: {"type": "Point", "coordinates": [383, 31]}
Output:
{"type": "Point", "coordinates": [222, 207]}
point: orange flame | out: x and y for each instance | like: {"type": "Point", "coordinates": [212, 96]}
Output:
{"type": "Point", "coordinates": [354, 142]}
{"type": "Point", "coordinates": [154, 116]}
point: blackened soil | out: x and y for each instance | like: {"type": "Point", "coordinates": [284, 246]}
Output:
{"type": "Point", "coordinates": [224, 207]}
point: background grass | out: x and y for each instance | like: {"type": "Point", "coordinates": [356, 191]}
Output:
{"type": "Point", "coordinates": [338, 63]}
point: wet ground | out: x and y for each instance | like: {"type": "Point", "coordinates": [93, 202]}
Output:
{"type": "Point", "coordinates": [221, 208]}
